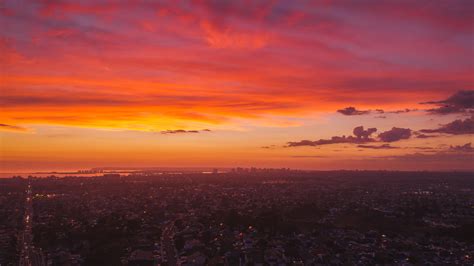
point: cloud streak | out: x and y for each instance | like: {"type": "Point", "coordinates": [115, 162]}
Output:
{"type": "Point", "coordinates": [460, 102]}
{"type": "Point", "coordinates": [378, 147]}
{"type": "Point", "coordinates": [457, 127]}
{"type": "Point", "coordinates": [462, 148]}
{"type": "Point", "coordinates": [7, 127]}
{"type": "Point", "coordinates": [350, 111]}
{"type": "Point", "coordinates": [182, 131]}
{"type": "Point", "coordinates": [360, 136]}
{"type": "Point", "coordinates": [353, 111]}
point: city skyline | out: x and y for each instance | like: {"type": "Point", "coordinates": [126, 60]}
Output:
{"type": "Point", "coordinates": [321, 85]}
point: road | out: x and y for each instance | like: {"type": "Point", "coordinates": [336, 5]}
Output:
{"type": "Point", "coordinates": [167, 244]}
{"type": "Point", "coordinates": [29, 256]}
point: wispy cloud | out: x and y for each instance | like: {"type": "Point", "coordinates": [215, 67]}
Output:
{"type": "Point", "coordinates": [14, 128]}
{"type": "Point", "coordinates": [183, 131]}
{"type": "Point", "coordinates": [460, 102]}
{"type": "Point", "coordinates": [457, 127]}
{"type": "Point", "coordinates": [269, 147]}
{"type": "Point", "coordinates": [308, 156]}
{"type": "Point", "coordinates": [378, 147]}
{"type": "Point", "coordinates": [353, 111]}
{"type": "Point", "coordinates": [350, 111]}
{"type": "Point", "coordinates": [463, 148]}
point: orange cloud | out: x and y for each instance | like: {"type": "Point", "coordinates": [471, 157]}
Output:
{"type": "Point", "coordinates": [228, 38]}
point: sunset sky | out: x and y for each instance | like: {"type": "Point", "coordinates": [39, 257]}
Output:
{"type": "Point", "coordinates": [236, 83]}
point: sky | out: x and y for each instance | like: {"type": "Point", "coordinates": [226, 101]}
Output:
{"type": "Point", "coordinates": [319, 85]}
